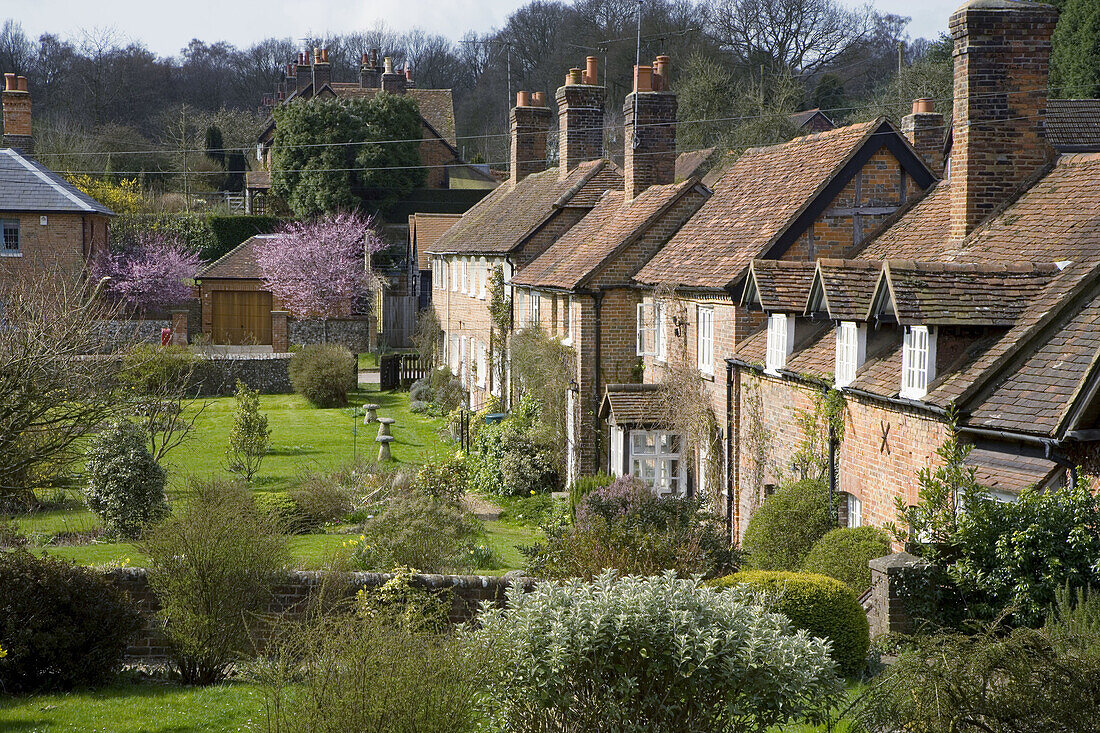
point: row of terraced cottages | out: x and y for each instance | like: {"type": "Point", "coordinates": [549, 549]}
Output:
{"type": "Point", "coordinates": [930, 269]}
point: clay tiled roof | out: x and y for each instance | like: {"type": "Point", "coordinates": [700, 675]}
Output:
{"type": "Point", "coordinates": [1073, 125]}
{"type": "Point", "coordinates": [816, 359]}
{"type": "Point", "coordinates": [570, 261]}
{"type": "Point", "coordinates": [845, 287]}
{"type": "Point", "coordinates": [921, 233]}
{"type": "Point", "coordinates": [881, 374]}
{"type": "Point", "coordinates": [436, 105]}
{"type": "Point", "coordinates": [753, 350]}
{"type": "Point", "coordinates": [754, 203]}
{"type": "Point", "coordinates": [502, 220]}
{"type": "Point", "coordinates": [778, 286]}
{"type": "Point", "coordinates": [694, 163]}
{"type": "Point", "coordinates": [237, 263]}
{"type": "Point", "coordinates": [1007, 472]}
{"type": "Point", "coordinates": [425, 230]}
{"type": "Point", "coordinates": [953, 294]}
{"type": "Point", "coordinates": [632, 404]}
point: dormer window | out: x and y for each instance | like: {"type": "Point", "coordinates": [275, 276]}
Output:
{"type": "Point", "coordinates": [780, 343]}
{"type": "Point", "coordinates": [851, 347]}
{"type": "Point", "coordinates": [918, 361]}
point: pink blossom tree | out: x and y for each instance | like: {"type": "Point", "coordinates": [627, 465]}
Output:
{"type": "Point", "coordinates": [150, 274]}
{"type": "Point", "coordinates": [318, 268]}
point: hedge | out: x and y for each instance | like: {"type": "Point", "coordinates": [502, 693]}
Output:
{"type": "Point", "coordinates": [211, 236]}
{"type": "Point", "coordinates": [787, 524]}
{"type": "Point", "coordinates": [822, 606]}
{"type": "Point", "coordinates": [844, 553]}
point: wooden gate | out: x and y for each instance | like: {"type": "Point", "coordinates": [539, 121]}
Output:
{"type": "Point", "coordinates": [241, 317]}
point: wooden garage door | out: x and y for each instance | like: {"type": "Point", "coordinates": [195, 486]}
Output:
{"type": "Point", "coordinates": [241, 317]}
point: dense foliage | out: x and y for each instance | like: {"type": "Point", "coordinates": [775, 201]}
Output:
{"type": "Point", "coordinates": [213, 565]}
{"type": "Point", "coordinates": [1075, 59]}
{"type": "Point", "coordinates": [844, 553]}
{"type": "Point", "coordinates": [787, 524]}
{"type": "Point", "coordinates": [517, 455]}
{"type": "Point", "coordinates": [124, 484]}
{"type": "Point", "coordinates": [61, 625]}
{"type": "Point", "coordinates": [642, 654]}
{"type": "Point", "coordinates": [324, 374]}
{"type": "Point", "coordinates": [315, 178]}
{"type": "Point", "coordinates": [626, 526]}
{"type": "Point", "coordinates": [1023, 681]}
{"type": "Point", "coordinates": [822, 606]}
{"type": "Point", "coordinates": [209, 236]}
{"type": "Point", "coordinates": [582, 486]}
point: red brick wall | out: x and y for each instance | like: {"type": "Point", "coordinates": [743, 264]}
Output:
{"type": "Point", "coordinates": [65, 243]}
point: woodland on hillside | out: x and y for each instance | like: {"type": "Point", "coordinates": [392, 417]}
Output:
{"type": "Point", "coordinates": [106, 103]}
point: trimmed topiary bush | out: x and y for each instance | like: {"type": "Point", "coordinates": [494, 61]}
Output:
{"type": "Point", "coordinates": [823, 606]}
{"type": "Point", "coordinates": [324, 374]}
{"type": "Point", "coordinates": [787, 525]}
{"type": "Point", "coordinates": [637, 654]}
{"type": "Point", "coordinates": [61, 624]}
{"type": "Point", "coordinates": [125, 484]}
{"type": "Point", "coordinates": [844, 553]}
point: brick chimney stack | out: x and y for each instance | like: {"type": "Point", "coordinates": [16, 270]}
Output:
{"type": "Point", "coordinates": [530, 126]}
{"type": "Point", "coordinates": [1002, 59]}
{"type": "Point", "coordinates": [322, 69]}
{"type": "Point", "coordinates": [393, 82]}
{"type": "Point", "coordinates": [303, 75]}
{"type": "Point", "coordinates": [580, 117]}
{"type": "Point", "coordinates": [650, 140]}
{"type": "Point", "coordinates": [370, 74]}
{"type": "Point", "coordinates": [17, 114]}
{"type": "Point", "coordinates": [925, 131]}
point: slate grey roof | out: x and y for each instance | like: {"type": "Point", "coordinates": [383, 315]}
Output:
{"type": "Point", "coordinates": [27, 185]}
{"type": "Point", "coordinates": [1073, 125]}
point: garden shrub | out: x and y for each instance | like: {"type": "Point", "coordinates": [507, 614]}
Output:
{"type": "Point", "coordinates": [1023, 681]}
{"type": "Point", "coordinates": [10, 534]}
{"type": "Point", "coordinates": [125, 486]}
{"type": "Point", "coordinates": [381, 670]}
{"type": "Point", "coordinates": [152, 369]}
{"type": "Point", "coordinates": [414, 529]}
{"type": "Point", "coordinates": [324, 374]}
{"type": "Point", "coordinates": [213, 566]}
{"type": "Point", "coordinates": [209, 236]}
{"type": "Point", "coordinates": [250, 436]}
{"type": "Point", "coordinates": [582, 486]}
{"type": "Point", "coordinates": [447, 392]}
{"type": "Point", "coordinates": [649, 654]}
{"type": "Point", "coordinates": [844, 553]}
{"type": "Point", "coordinates": [444, 480]}
{"type": "Point", "coordinates": [61, 624]}
{"type": "Point", "coordinates": [230, 230]}
{"type": "Point", "coordinates": [420, 391]}
{"type": "Point", "coordinates": [626, 526]}
{"type": "Point", "coordinates": [515, 456]}
{"type": "Point", "coordinates": [319, 500]}
{"type": "Point", "coordinates": [787, 524]}
{"type": "Point", "coordinates": [822, 606]}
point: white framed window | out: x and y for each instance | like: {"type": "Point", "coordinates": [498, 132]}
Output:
{"type": "Point", "coordinates": [615, 467]}
{"type": "Point", "coordinates": [659, 332]}
{"type": "Point", "coordinates": [855, 511]}
{"type": "Point", "coordinates": [651, 330]}
{"type": "Point", "coordinates": [704, 321]}
{"type": "Point", "coordinates": [9, 238]}
{"type": "Point", "coordinates": [519, 298]}
{"type": "Point", "coordinates": [482, 369]}
{"type": "Point", "coordinates": [851, 347]}
{"type": "Point", "coordinates": [780, 343]}
{"type": "Point", "coordinates": [454, 356]}
{"type": "Point", "coordinates": [656, 460]}
{"type": "Point", "coordinates": [454, 274]}
{"type": "Point", "coordinates": [536, 306]}
{"type": "Point", "coordinates": [567, 319]}
{"type": "Point", "coordinates": [483, 276]}
{"type": "Point", "coordinates": [918, 361]}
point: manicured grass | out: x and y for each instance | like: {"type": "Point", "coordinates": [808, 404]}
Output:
{"type": "Point", "coordinates": [138, 707]}
{"type": "Point", "coordinates": [505, 538]}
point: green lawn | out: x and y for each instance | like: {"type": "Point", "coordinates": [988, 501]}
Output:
{"type": "Point", "coordinates": [138, 707]}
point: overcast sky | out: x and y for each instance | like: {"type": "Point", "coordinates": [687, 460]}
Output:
{"type": "Point", "coordinates": [166, 27]}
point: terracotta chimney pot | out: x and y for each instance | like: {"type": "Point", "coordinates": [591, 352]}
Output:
{"type": "Point", "coordinates": [924, 106]}
{"type": "Point", "coordinates": [408, 73]}
{"type": "Point", "coordinates": [591, 70]}
{"type": "Point", "coordinates": [523, 99]}
{"type": "Point", "coordinates": [9, 83]}
{"type": "Point", "coordinates": [387, 63]}
{"type": "Point", "coordinates": [22, 81]}
{"type": "Point", "coordinates": [575, 76]}
{"type": "Point", "coordinates": [538, 99]}
{"type": "Point", "coordinates": [643, 78]}
{"type": "Point", "coordinates": [663, 64]}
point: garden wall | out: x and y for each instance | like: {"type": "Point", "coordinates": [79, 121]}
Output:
{"type": "Point", "coordinates": [353, 333]}
{"type": "Point", "coordinates": [114, 334]}
{"type": "Point", "coordinates": [217, 374]}
{"type": "Point", "coordinates": [468, 592]}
